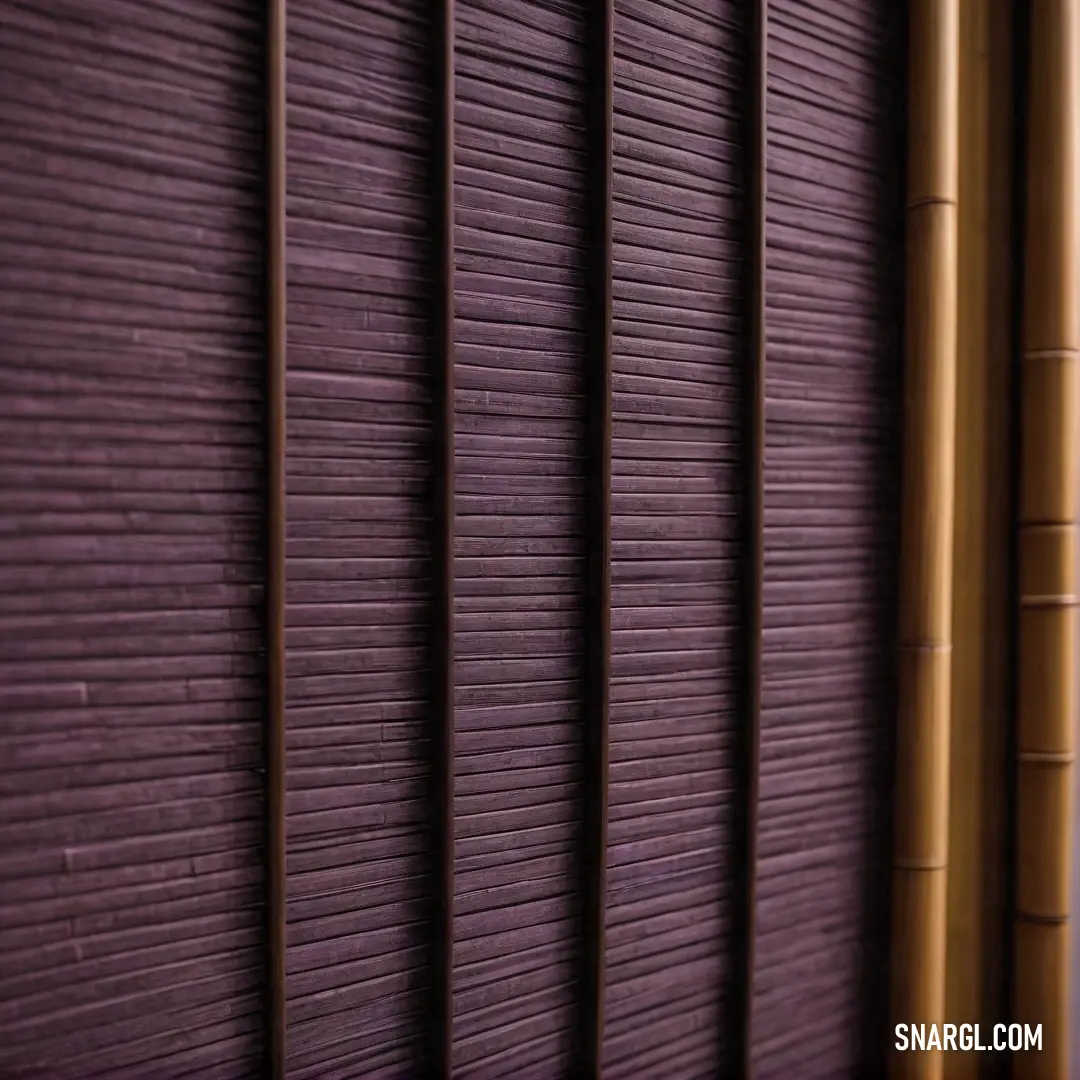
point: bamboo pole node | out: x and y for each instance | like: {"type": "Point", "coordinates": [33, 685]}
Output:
{"type": "Point", "coordinates": [931, 200]}
{"type": "Point", "coordinates": [1039, 757]}
{"type": "Point", "coordinates": [1042, 920]}
{"type": "Point", "coordinates": [1051, 354]}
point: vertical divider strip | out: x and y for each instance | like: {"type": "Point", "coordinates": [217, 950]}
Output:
{"type": "Point", "coordinates": [275, 570]}
{"type": "Point", "coordinates": [753, 599]}
{"type": "Point", "coordinates": [441, 1017]}
{"type": "Point", "coordinates": [598, 405]}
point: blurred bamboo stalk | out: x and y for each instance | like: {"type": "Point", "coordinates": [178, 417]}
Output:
{"type": "Point", "coordinates": [1049, 503]}
{"type": "Point", "coordinates": [920, 851]}
{"type": "Point", "coordinates": [982, 606]}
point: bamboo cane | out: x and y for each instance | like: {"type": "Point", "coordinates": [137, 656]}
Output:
{"type": "Point", "coordinates": [920, 852]}
{"type": "Point", "coordinates": [1049, 505]}
{"type": "Point", "coordinates": [982, 608]}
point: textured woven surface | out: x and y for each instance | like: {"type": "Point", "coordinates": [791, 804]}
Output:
{"type": "Point", "coordinates": [358, 534]}
{"type": "Point", "coordinates": [131, 353]}
{"type": "Point", "coordinates": [833, 277]}
{"type": "Point", "coordinates": [131, 534]}
{"type": "Point", "coordinates": [519, 498]}
{"type": "Point", "coordinates": [677, 469]}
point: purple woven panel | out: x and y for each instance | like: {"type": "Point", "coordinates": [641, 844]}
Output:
{"type": "Point", "coordinates": [131, 524]}
{"type": "Point", "coordinates": [358, 560]}
{"type": "Point", "coordinates": [520, 293]}
{"type": "Point", "coordinates": [677, 460]}
{"type": "Point", "coordinates": [833, 283]}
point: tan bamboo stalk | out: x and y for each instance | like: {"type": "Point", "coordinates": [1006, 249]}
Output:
{"type": "Point", "coordinates": [1049, 509]}
{"type": "Point", "coordinates": [982, 608]}
{"type": "Point", "coordinates": [920, 852]}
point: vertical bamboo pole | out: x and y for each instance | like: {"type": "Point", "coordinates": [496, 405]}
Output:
{"type": "Point", "coordinates": [441, 1036]}
{"type": "Point", "coordinates": [920, 851]}
{"type": "Point", "coordinates": [965, 950]}
{"type": "Point", "coordinates": [598, 562]}
{"type": "Point", "coordinates": [1049, 509]}
{"type": "Point", "coordinates": [981, 565]}
{"type": "Point", "coordinates": [275, 569]}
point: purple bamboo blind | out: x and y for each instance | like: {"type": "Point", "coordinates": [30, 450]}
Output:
{"type": "Point", "coordinates": [520, 258]}
{"type": "Point", "coordinates": [678, 461]}
{"type": "Point", "coordinates": [132, 528]}
{"type": "Point", "coordinates": [131, 476]}
{"type": "Point", "coordinates": [357, 553]}
{"type": "Point", "coordinates": [834, 264]}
